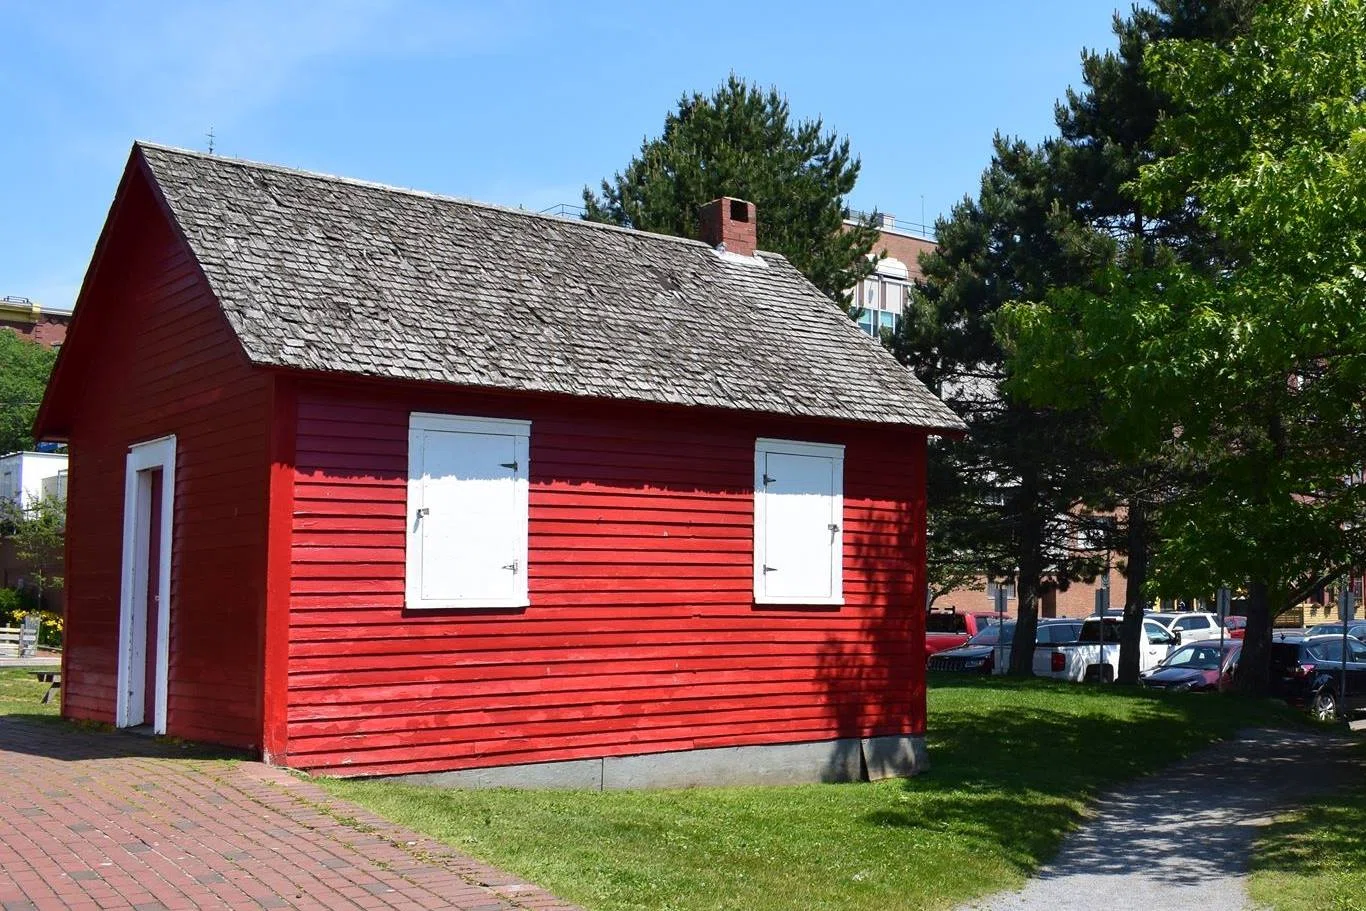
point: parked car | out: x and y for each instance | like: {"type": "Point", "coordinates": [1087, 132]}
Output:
{"type": "Point", "coordinates": [1236, 625]}
{"type": "Point", "coordinates": [1051, 631]}
{"type": "Point", "coordinates": [1090, 658]}
{"type": "Point", "coordinates": [1192, 626]}
{"type": "Point", "coordinates": [989, 650]}
{"type": "Point", "coordinates": [1355, 628]}
{"type": "Point", "coordinates": [977, 655]}
{"type": "Point", "coordinates": [1192, 668]}
{"type": "Point", "coordinates": [1306, 671]}
{"type": "Point", "coordinates": [946, 629]}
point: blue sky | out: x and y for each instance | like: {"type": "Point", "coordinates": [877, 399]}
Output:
{"type": "Point", "coordinates": [519, 103]}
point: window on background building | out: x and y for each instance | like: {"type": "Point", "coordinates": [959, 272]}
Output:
{"type": "Point", "coordinates": [798, 522]}
{"type": "Point", "coordinates": [882, 300]}
{"type": "Point", "coordinates": [993, 587]}
{"type": "Point", "coordinates": [882, 296]}
{"type": "Point", "coordinates": [893, 303]}
{"type": "Point", "coordinates": [467, 512]}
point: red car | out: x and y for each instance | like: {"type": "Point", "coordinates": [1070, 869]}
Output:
{"type": "Point", "coordinates": [1236, 626]}
{"type": "Point", "coordinates": [946, 629]}
{"type": "Point", "coordinates": [1193, 668]}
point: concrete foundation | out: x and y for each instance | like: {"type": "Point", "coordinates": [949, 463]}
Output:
{"type": "Point", "coordinates": [845, 759]}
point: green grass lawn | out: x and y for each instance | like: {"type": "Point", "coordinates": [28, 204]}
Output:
{"type": "Point", "coordinates": [22, 694]}
{"type": "Point", "coordinates": [1314, 859]}
{"type": "Point", "coordinates": [1013, 763]}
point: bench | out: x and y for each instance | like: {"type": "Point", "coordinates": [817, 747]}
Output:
{"type": "Point", "coordinates": [54, 681]}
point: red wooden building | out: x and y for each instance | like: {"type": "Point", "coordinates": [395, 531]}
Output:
{"type": "Point", "coordinates": [380, 482]}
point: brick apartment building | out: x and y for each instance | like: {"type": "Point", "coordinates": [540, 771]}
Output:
{"type": "Point", "coordinates": [884, 294]}
{"type": "Point", "coordinates": [40, 324]}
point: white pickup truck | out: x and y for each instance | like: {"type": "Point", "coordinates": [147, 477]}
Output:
{"type": "Point", "coordinates": [1090, 659]}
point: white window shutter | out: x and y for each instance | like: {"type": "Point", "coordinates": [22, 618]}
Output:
{"type": "Point", "coordinates": [799, 523]}
{"type": "Point", "coordinates": [467, 512]}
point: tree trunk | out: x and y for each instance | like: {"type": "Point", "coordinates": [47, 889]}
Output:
{"type": "Point", "coordinates": [1131, 630]}
{"type": "Point", "coordinates": [1254, 664]}
{"type": "Point", "coordinates": [1027, 607]}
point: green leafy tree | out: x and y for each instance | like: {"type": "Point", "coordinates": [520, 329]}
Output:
{"type": "Point", "coordinates": [1252, 371]}
{"type": "Point", "coordinates": [24, 369]}
{"type": "Point", "coordinates": [1107, 131]}
{"type": "Point", "coordinates": [742, 141]}
{"type": "Point", "coordinates": [37, 530]}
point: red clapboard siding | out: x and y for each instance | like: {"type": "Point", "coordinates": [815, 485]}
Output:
{"type": "Point", "coordinates": [157, 357]}
{"type": "Point", "coordinates": [642, 634]}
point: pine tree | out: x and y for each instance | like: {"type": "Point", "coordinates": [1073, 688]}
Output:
{"type": "Point", "coordinates": [741, 141]}
{"type": "Point", "coordinates": [1058, 216]}
{"type": "Point", "coordinates": [1009, 493]}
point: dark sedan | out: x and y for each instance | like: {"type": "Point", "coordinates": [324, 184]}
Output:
{"type": "Point", "coordinates": [979, 654]}
{"type": "Point", "coordinates": [1192, 668]}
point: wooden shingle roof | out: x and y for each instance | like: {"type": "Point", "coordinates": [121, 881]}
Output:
{"type": "Point", "coordinates": [327, 274]}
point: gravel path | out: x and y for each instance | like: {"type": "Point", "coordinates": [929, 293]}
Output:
{"type": "Point", "coordinates": [1180, 839]}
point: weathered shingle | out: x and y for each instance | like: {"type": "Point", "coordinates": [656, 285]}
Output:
{"type": "Point", "coordinates": [323, 273]}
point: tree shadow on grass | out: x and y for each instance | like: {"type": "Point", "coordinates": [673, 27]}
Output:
{"type": "Point", "coordinates": [1324, 839]}
{"type": "Point", "coordinates": [1016, 778]}
{"type": "Point", "coordinates": [1016, 781]}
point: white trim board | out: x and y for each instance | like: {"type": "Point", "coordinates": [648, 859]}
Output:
{"type": "Point", "coordinates": [142, 458]}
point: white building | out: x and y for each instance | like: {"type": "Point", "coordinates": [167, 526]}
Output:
{"type": "Point", "coordinates": [27, 477]}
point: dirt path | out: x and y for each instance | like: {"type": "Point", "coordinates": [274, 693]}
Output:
{"type": "Point", "coordinates": [1181, 839]}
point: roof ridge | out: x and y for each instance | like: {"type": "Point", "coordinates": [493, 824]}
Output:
{"type": "Point", "coordinates": [423, 194]}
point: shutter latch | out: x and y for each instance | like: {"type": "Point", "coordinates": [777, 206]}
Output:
{"type": "Point", "coordinates": [509, 465]}
{"type": "Point", "coordinates": [770, 569]}
{"type": "Point", "coordinates": [768, 480]}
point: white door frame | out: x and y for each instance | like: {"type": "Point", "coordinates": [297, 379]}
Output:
{"type": "Point", "coordinates": [137, 514]}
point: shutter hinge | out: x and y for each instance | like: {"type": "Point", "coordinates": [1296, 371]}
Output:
{"type": "Point", "coordinates": [768, 480]}
{"type": "Point", "coordinates": [514, 566]}
{"type": "Point", "coordinates": [422, 511]}
{"type": "Point", "coordinates": [833, 527]}
{"type": "Point", "coordinates": [511, 465]}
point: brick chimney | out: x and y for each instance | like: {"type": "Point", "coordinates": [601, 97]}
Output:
{"type": "Point", "coordinates": [730, 222]}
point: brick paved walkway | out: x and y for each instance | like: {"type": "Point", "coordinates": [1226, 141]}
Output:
{"type": "Point", "coordinates": [111, 820]}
